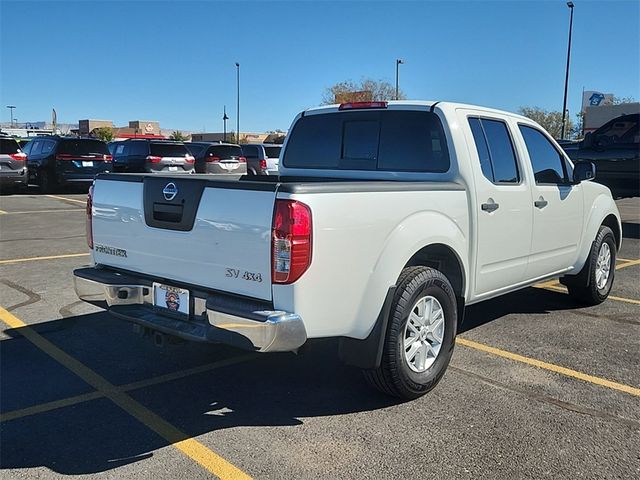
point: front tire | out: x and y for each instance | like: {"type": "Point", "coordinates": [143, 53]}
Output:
{"type": "Point", "coordinates": [420, 335]}
{"type": "Point", "coordinates": [601, 267]}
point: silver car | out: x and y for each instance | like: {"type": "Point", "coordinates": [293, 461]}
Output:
{"type": "Point", "coordinates": [13, 165]}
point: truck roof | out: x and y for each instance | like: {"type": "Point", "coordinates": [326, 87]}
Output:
{"type": "Point", "coordinates": [421, 103]}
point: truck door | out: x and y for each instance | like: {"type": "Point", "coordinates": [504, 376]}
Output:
{"type": "Point", "coordinates": [558, 207]}
{"type": "Point", "coordinates": [503, 205]}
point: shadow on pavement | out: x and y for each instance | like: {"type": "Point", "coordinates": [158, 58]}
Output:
{"type": "Point", "coordinates": [630, 230]}
{"type": "Point", "coordinates": [96, 436]}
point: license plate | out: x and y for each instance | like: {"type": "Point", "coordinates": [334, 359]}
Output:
{"type": "Point", "coordinates": [87, 164]}
{"type": "Point", "coordinates": [229, 166]}
{"type": "Point", "coordinates": [173, 169]}
{"type": "Point", "coordinates": [171, 298]}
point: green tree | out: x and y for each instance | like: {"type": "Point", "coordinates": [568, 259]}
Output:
{"type": "Point", "coordinates": [103, 133]}
{"type": "Point", "coordinates": [550, 121]}
{"type": "Point", "coordinates": [366, 90]}
{"type": "Point", "coordinates": [178, 135]}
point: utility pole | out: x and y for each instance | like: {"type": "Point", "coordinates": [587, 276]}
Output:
{"type": "Point", "coordinates": [238, 103]}
{"type": "Point", "coordinates": [399, 61]}
{"type": "Point", "coordinates": [11, 107]}
{"type": "Point", "coordinates": [566, 78]}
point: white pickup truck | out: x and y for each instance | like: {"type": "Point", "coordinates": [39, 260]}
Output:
{"type": "Point", "coordinates": [388, 218]}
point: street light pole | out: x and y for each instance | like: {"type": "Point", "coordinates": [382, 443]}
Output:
{"type": "Point", "coordinates": [224, 120]}
{"type": "Point", "coordinates": [566, 78]}
{"type": "Point", "coordinates": [398, 62]}
{"type": "Point", "coordinates": [238, 103]}
{"type": "Point", "coordinates": [11, 107]}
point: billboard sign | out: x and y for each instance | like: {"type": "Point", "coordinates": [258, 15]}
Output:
{"type": "Point", "coordinates": [592, 98]}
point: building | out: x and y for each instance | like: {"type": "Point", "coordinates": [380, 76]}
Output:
{"type": "Point", "coordinates": [245, 137]}
{"type": "Point", "coordinates": [85, 127]}
{"type": "Point", "coordinates": [595, 117]}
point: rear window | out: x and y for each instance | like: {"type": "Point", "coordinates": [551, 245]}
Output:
{"type": "Point", "coordinates": [168, 150]}
{"type": "Point", "coordinates": [272, 152]}
{"type": "Point", "coordinates": [83, 147]}
{"type": "Point", "coordinates": [387, 140]}
{"type": "Point", "coordinates": [225, 151]}
{"type": "Point", "coordinates": [8, 146]}
{"type": "Point", "coordinates": [195, 149]}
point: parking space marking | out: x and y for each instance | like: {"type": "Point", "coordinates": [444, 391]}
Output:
{"type": "Point", "coordinates": [2, 212]}
{"type": "Point", "coordinates": [190, 447]}
{"type": "Point", "coordinates": [621, 387]}
{"type": "Point", "coordinates": [559, 288]}
{"type": "Point", "coordinates": [627, 263]}
{"type": "Point", "coordinates": [160, 379]}
{"type": "Point", "coordinates": [83, 202]}
{"type": "Point", "coordinates": [35, 259]}
{"type": "Point", "coordinates": [45, 211]}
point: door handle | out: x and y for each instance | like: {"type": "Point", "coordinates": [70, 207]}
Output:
{"type": "Point", "coordinates": [490, 207]}
{"type": "Point", "coordinates": [541, 203]}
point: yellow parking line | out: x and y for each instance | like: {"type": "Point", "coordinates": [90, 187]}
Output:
{"type": "Point", "coordinates": [193, 449]}
{"type": "Point", "coordinates": [51, 257]}
{"type": "Point", "coordinates": [83, 202]}
{"type": "Point", "coordinates": [48, 406]}
{"type": "Point", "coordinates": [550, 366]}
{"type": "Point", "coordinates": [610, 297]}
{"type": "Point", "coordinates": [2, 212]}
{"type": "Point", "coordinates": [45, 211]}
{"type": "Point", "coordinates": [627, 263]}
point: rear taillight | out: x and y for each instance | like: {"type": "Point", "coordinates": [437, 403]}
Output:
{"type": "Point", "coordinates": [153, 159]}
{"type": "Point", "coordinates": [107, 158]}
{"type": "Point", "coordinates": [263, 164]}
{"type": "Point", "coordinates": [89, 218]}
{"type": "Point", "coordinates": [212, 158]}
{"type": "Point", "coordinates": [290, 241]}
{"type": "Point", "coordinates": [189, 159]}
{"type": "Point", "coordinates": [20, 156]}
{"type": "Point", "coordinates": [242, 159]}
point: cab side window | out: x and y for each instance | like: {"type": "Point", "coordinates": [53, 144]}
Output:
{"type": "Point", "coordinates": [36, 149]}
{"type": "Point", "coordinates": [47, 147]}
{"type": "Point", "coordinates": [495, 150]}
{"type": "Point", "coordinates": [549, 165]}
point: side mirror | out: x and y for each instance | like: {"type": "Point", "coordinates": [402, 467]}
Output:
{"type": "Point", "coordinates": [587, 141]}
{"type": "Point", "coordinates": [583, 170]}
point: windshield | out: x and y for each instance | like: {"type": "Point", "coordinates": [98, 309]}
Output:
{"type": "Point", "coordinates": [392, 140]}
{"type": "Point", "coordinates": [83, 147]}
{"type": "Point", "coordinates": [168, 149]}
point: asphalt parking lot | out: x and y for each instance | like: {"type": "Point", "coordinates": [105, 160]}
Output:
{"type": "Point", "coordinates": [537, 388]}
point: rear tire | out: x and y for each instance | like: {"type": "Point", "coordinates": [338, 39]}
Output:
{"type": "Point", "coordinates": [46, 181]}
{"type": "Point", "coordinates": [420, 335]}
{"type": "Point", "coordinates": [601, 267]}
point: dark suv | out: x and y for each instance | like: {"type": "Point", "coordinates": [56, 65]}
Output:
{"type": "Point", "coordinates": [55, 161]}
{"type": "Point", "coordinates": [13, 164]}
{"type": "Point", "coordinates": [615, 150]}
{"type": "Point", "coordinates": [218, 158]}
{"type": "Point", "coordinates": [155, 156]}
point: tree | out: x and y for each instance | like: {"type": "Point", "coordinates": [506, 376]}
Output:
{"type": "Point", "coordinates": [103, 133]}
{"type": "Point", "coordinates": [366, 90]}
{"type": "Point", "coordinates": [550, 121]}
{"type": "Point", "coordinates": [178, 135]}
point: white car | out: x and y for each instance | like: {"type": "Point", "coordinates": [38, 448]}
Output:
{"type": "Point", "coordinates": [408, 212]}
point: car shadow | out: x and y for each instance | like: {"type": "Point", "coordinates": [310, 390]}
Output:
{"type": "Point", "coordinates": [96, 436]}
{"type": "Point", "coordinates": [630, 230]}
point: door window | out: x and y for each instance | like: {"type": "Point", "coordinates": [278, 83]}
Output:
{"type": "Point", "coordinates": [47, 147]}
{"type": "Point", "coordinates": [495, 150]}
{"type": "Point", "coordinates": [548, 164]}
{"type": "Point", "coordinates": [37, 147]}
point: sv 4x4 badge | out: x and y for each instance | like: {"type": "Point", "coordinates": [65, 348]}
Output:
{"type": "Point", "coordinates": [250, 276]}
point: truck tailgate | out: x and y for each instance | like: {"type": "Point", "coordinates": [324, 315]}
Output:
{"type": "Point", "coordinates": [214, 234]}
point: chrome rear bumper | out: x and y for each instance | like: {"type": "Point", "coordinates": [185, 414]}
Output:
{"type": "Point", "coordinates": [215, 318]}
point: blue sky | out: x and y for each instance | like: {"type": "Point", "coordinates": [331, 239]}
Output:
{"type": "Point", "coordinates": [173, 61]}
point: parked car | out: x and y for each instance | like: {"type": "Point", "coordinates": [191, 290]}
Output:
{"type": "Point", "coordinates": [218, 158]}
{"type": "Point", "coordinates": [152, 156]}
{"type": "Point", "coordinates": [615, 150]}
{"type": "Point", "coordinates": [379, 236]}
{"type": "Point", "coordinates": [23, 141]}
{"type": "Point", "coordinates": [13, 164]}
{"type": "Point", "coordinates": [262, 158]}
{"type": "Point", "coordinates": [56, 161]}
